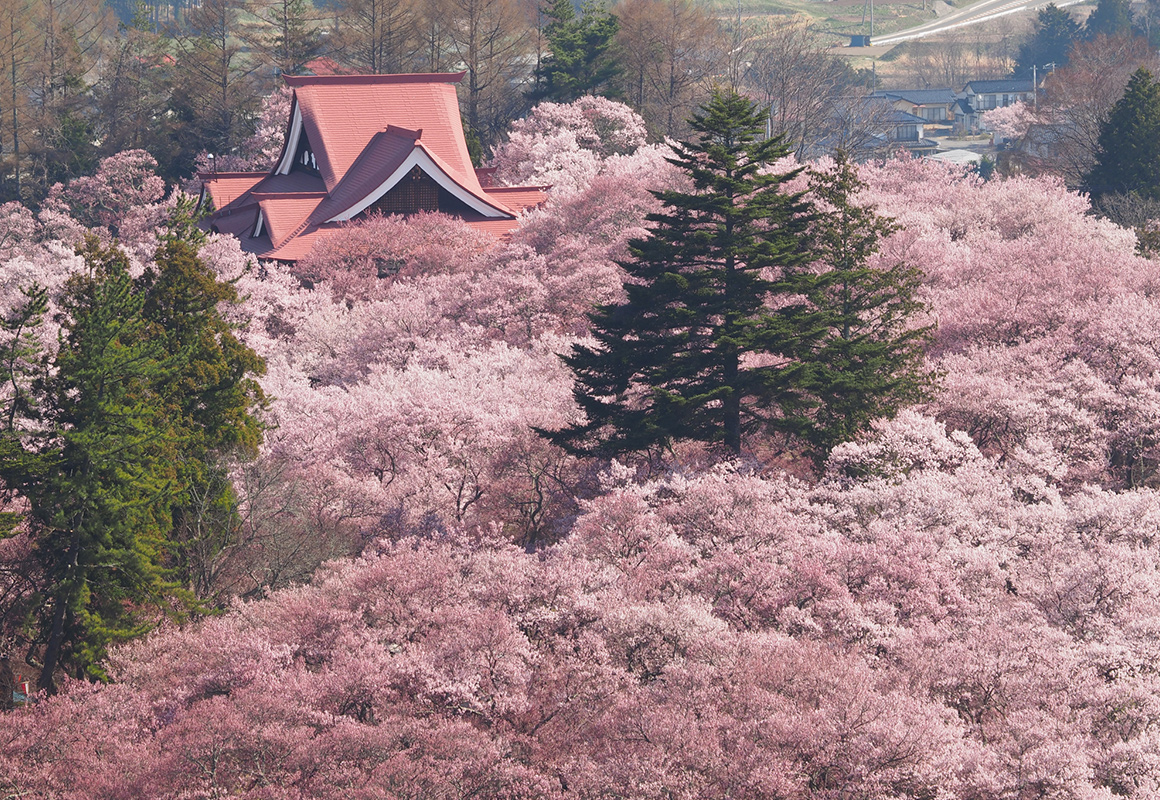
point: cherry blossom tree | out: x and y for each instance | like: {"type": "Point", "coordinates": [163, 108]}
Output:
{"type": "Point", "coordinates": [565, 144]}
{"type": "Point", "coordinates": [959, 604]}
{"type": "Point", "coordinates": [1038, 307]}
{"type": "Point", "coordinates": [912, 624]}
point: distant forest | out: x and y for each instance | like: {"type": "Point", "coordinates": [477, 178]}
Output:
{"type": "Point", "coordinates": [81, 79]}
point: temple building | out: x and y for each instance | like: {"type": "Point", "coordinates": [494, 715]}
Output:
{"type": "Point", "coordinates": [356, 145]}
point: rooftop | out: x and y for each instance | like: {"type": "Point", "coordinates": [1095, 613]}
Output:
{"type": "Point", "coordinates": [356, 143]}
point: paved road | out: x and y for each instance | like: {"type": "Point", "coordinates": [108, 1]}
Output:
{"type": "Point", "coordinates": [971, 15]}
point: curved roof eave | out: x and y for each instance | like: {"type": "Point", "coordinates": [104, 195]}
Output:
{"type": "Point", "coordinates": [420, 156]}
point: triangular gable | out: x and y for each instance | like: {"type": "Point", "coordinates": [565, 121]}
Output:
{"type": "Point", "coordinates": [350, 142]}
{"type": "Point", "coordinates": [282, 216]}
{"type": "Point", "coordinates": [225, 188]}
{"type": "Point", "coordinates": [425, 161]}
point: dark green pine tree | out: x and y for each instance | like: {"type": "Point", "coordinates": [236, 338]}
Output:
{"type": "Point", "coordinates": [582, 58]}
{"type": "Point", "coordinates": [1054, 35]}
{"type": "Point", "coordinates": [676, 360]}
{"type": "Point", "coordinates": [1111, 18]}
{"type": "Point", "coordinates": [117, 447]}
{"type": "Point", "coordinates": [1128, 155]}
{"type": "Point", "coordinates": [23, 363]}
{"type": "Point", "coordinates": [865, 358]}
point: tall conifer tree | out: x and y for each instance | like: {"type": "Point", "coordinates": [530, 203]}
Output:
{"type": "Point", "coordinates": [582, 58]}
{"type": "Point", "coordinates": [1128, 159]}
{"type": "Point", "coordinates": [112, 444]}
{"type": "Point", "coordinates": [750, 309]}
{"type": "Point", "coordinates": [1050, 43]}
{"type": "Point", "coordinates": [673, 361]}
{"type": "Point", "coordinates": [96, 467]}
{"type": "Point", "coordinates": [864, 358]}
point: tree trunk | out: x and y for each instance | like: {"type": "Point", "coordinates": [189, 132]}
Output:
{"type": "Point", "coordinates": [55, 642]}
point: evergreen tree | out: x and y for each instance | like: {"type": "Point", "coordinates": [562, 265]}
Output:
{"type": "Point", "coordinates": [1128, 156]}
{"type": "Point", "coordinates": [748, 311]}
{"type": "Point", "coordinates": [582, 58]}
{"type": "Point", "coordinates": [109, 444]}
{"type": "Point", "coordinates": [1111, 18]}
{"type": "Point", "coordinates": [1051, 41]}
{"type": "Point", "coordinates": [675, 361]}
{"type": "Point", "coordinates": [96, 469]}
{"type": "Point", "coordinates": [209, 399]}
{"type": "Point", "coordinates": [867, 359]}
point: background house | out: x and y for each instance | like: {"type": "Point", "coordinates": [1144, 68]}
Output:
{"type": "Point", "coordinates": [932, 105]}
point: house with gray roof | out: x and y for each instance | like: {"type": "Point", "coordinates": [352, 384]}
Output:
{"type": "Point", "coordinates": [986, 95]}
{"type": "Point", "coordinates": [933, 105]}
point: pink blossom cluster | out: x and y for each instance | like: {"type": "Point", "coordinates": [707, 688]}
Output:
{"type": "Point", "coordinates": [1046, 320]}
{"type": "Point", "coordinates": [566, 145]}
{"type": "Point", "coordinates": [962, 605]}
{"type": "Point", "coordinates": [1009, 122]}
{"type": "Point", "coordinates": [910, 626]}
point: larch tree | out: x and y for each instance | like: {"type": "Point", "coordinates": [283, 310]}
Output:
{"type": "Point", "coordinates": [287, 33]}
{"type": "Point", "coordinates": [17, 48]}
{"type": "Point", "coordinates": [131, 91]}
{"type": "Point", "coordinates": [491, 40]}
{"type": "Point", "coordinates": [671, 51]}
{"type": "Point", "coordinates": [380, 37]}
{"type": "Point", "coordinates": [68, 35]}
{"type": "Point", "coordinates": [215, 83]}
{"type": "Point", "coordinates": [1075, 103]}
{"type": "Point", "coordinates": [791, 69]}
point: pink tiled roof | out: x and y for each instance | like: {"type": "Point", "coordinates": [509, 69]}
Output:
{"type": "Point", "coordinates": [285, 213]}
{"type": "Point", "coordinates": [224, 188]}
{"type": "Point", "coordinates": [361, 128]}
{"type": "Point", "coordinates": [341, 113]}
{"type": "Point", "coordinates": [518, 198]}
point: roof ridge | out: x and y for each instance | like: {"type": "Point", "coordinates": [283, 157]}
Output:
{"type": "Point", "coordinates": [373, 80]}
{"type": "Point", "coordinates": [293, 234]}
{"type": "Point", "coordinates": [529, 188]}
{"type": "Point", "coordinates": [212, 175]}
{"type": "Point", "coordinates": [399, 130]}
{"type": "Point", "coordinates": [282, 195]}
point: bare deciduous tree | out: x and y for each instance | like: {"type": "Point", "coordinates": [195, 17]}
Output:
{"type": "Point", "coordinates": [792, 71]}
{"type": "Point", "coordinates": [1075, 103]}
{"type": "Point", "coordinates": [492, 40]}
{"type": "Point", "coordinates": [672, 50]}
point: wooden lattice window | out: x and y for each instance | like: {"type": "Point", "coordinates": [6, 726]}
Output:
{"type": "Point", "coordinates": [415, 192]}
